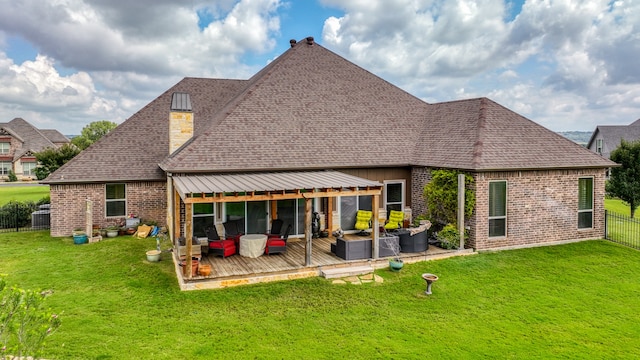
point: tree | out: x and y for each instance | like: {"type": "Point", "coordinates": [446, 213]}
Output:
{"type": "Point", "coordinates": [624, 182]}
{"type": "Point", "coordinates": [92, 133]}
{"type": "Point", "coordinates": [49, 159]}
{"type": "Point", "coordinates": [441, 196]}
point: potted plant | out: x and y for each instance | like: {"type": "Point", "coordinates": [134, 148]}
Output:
{"type": "Point", "coordinates": [80, 236]}
{"type": "Point", "coordinates": [395, 263]}
{"type": "Point", "coordinates": [161, 238]}
{"type": "Point", "coordinates": [112, 231]}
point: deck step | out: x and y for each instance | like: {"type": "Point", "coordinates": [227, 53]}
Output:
{"type": "Point", "coordinates": [338, 272]}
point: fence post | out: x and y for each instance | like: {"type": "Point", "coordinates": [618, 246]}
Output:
{"type": "Point", "coordinates": [17, 217]}
{"type": "Point", "coordinates": [606, 224]}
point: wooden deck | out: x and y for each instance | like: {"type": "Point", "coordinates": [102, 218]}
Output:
{"type": "Point", "coordinates": [239, 270]}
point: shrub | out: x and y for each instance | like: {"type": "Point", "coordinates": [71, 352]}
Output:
{"type": "Point", "coordinates": [44, 200]}
{"type": "Point", "coordinates": [449, 237]}
{"type": "Point", "coordinates": [12, 176]}
{"type": "Point", "coordinates": [441, 196]}
{"type": "Point", "coordinates": [16, 214]}
{"type": "Point", "coordinates": [24, 322]}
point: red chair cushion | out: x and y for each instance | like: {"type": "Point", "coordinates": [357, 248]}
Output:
{"type": "Point", "coordinates": [221, 244]}
{"type": "Point", "coordinates": [276, 243]}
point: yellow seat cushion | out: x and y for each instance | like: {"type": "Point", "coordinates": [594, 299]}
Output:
{"type": "Point", "coordinates": [363, 220]}
{"type": "Point", "coordinates": [395, 220]}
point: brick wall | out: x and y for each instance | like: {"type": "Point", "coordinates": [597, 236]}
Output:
{"type": "Point", "coordinates": [68, 205]}
{"type": "Point", "coordinates": [419, 178]}
{"type": "Point", "coordinates": [542, 206]}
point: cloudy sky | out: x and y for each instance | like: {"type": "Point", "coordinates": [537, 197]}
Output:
{"type": "Point", "coordinates": [566, 64]}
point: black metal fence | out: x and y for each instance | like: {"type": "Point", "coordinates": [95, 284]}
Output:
{"type": "Point", "coordinates": [24, 217]}
{"type": "Point", "coordinates": [622, 229]}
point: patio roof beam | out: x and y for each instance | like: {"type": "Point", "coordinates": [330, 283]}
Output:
{"type": "Point", "coordinates": [221, 197]}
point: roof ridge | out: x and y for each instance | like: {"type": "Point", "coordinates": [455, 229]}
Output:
{"type": "Point", "coordinates": [478, 145]}
{"type": "Point", "coordinates": [228, 108]}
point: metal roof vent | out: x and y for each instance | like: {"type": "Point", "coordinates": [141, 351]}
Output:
{"type": "Point", "coordinates": [292, 42]}
{"type": "Point", "coordinates": [310, 40]}
{"type": "Point", "coordinates": [180, 102]}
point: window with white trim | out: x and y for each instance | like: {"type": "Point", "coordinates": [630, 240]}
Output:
{"type": "Point", "coordinates": [5, 147]}
{"type": "Point", "coordinates": [5, 167]}
{"type": "Point", "coordinates": [498, 208]}
{"type": "Point", "coordinates": [394, 195]}
{"type": "Point", "coordinates": [115, 200]}
{"type": "Point", "coordinates": [203, 218]}
{"type": "Point", "coordinates": [585, 203]}
{"type": "Point", "coordinates": [29, 168]}
{"type": "Point", "coordinates": [599, 146]}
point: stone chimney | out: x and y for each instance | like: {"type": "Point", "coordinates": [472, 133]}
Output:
{"type": "Point", "coordinates": [180, 121]}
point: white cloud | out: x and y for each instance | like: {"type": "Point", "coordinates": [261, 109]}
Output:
{"type": "Point", "coordinates": [556, 62]}
{"type": "Point", "coordinates": [123, 54]}
{"type": "Point", "coordinates": [38, 84]}
{"type": "Point", "coordinates": [567, 64]}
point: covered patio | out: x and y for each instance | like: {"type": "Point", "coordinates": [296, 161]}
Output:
{"type": "Point", "coordinates": [305, 253]}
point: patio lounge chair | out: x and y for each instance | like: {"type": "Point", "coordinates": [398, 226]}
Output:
{"type": "Point", "coordinates": [232, 231]}
{"type": "Point", "coordinates": [363, 222]}
{"type": "Point", "coordinates": [279, 244]}
{"type": "Point", "coordinates": [219, 246]}
{"type": "Point", "coordinates": [276, 228]}
{"type": "Point", "coordinates": [396, 218]}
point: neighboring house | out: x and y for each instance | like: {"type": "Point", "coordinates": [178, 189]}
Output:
{"type": "Point", "coordinates": [315, 132]}
{"type": "Point", "coordinates": [607, 138]}
{"type": "Point", "coordinates": [19, 141]}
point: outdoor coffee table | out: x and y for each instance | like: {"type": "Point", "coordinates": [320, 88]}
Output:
{"type": "Point", "coordinates": [252, 245]}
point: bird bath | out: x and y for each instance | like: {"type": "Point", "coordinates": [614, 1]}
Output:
{"type": "Point", "coordinates": [429, 278]}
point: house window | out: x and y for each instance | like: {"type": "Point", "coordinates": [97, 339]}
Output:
{"type": "Point", "coordinates": [599, 146]}
{"type": "Point", "coordinates": [252, 215]}
{"type": "Point", "coordinates": [28, 168]}
{"type": "Point", "coordinates": [5, 167]}
{"type": "Point", "coordinates": [349, 206]}
{"type": "Point", "coordinates": [291, 212]}
{"type": "Point", "coordinates": [394, 195]}
{"type": "Point", "coordinates": [4, 147]}
{"type": "Point", "coordinates": [116, 200]}
{"type": "Point", "coordinates": [203, 218]}
{"type": "Point", "coordinates": [585, 203]}
{"type": "Point", "coordinates": [497, 208]}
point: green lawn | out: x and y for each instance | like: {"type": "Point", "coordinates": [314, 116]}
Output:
{"type": "Point", "coordinates": [618, 206]}
{"type": "Point", "coordinates": [22, 193]}
{"type": "Point", "coordinates": [571, 301]}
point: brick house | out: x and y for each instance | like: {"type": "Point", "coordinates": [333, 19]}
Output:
{"type": "Point", "coordinates": [315, 132]}
{"type": "Point", "coordinates": [19, 141]}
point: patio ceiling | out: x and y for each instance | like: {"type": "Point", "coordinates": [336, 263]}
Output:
{"type": "Point", "coordinates": [272, 186]}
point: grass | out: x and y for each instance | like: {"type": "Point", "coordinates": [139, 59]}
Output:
{"type": "Point", "coordinates": [22, 193]}
{"type": "Point", "coordinates": [618, 206]}
{"type": "Point", "coordinates": [564, 301]}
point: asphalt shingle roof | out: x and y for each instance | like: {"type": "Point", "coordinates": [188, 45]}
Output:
{"type": "Point", "coordinates": [133, 150]}
{"type": "Point", "coordinates": [613, 134]}
{"type": "Point", "coordinates": [312, 109]}
{"type": "Point", "coordinates": [33, 139]}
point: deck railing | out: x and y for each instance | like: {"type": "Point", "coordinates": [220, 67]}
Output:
{"type": "Point", "coordinates": [622, 229]}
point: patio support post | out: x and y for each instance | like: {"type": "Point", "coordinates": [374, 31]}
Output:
{"type": "Point", "coordinates": [461, 209]}
{"type": "Point", "coordinates": [329, 226]}
{"type": "Point", "coordinates": [274, 211]}
{"type": "Point", "coordinates": [176, 217]}
{"type": "Point", "coordinates": [375, 226]}
{"type": "Point", "coordinates": [308, 202]}
{"type": "Point", "coordinates": [188, 233]}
